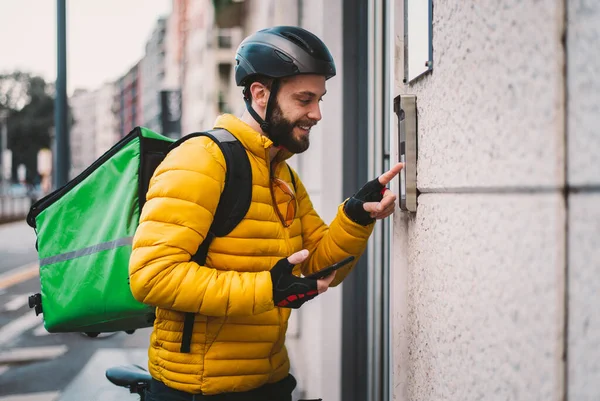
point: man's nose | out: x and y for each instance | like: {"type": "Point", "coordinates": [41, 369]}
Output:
{"type": "Point", "coordinates": [315, 112]}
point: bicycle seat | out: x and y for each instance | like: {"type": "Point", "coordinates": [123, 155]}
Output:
{"type": "Point", "coordinates": [128, 376]}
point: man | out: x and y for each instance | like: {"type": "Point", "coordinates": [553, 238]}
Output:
{"type": "Point", "coordinates": [243, 295]}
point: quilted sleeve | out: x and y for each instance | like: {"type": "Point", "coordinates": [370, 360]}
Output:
{"type": "Point", "coordinates": [329, 244]}
{"type": "Point", "coordinates": [181, 201]}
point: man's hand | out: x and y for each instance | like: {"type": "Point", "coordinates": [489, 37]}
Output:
{"type": "Point", "coordinates": [290, 291]}
{"type": "Point", "coordinates": [387, 205]}
{"type": "Point", "coordinates": [322, 284]}
{"type": "Point", "coordinates": [373, 200]}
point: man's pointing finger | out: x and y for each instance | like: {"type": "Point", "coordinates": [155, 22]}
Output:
{"type": "Point", "coordinates": [389, 175]}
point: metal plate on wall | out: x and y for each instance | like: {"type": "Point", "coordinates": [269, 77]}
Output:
{"type": "Point", "coordinates": [418, 52]}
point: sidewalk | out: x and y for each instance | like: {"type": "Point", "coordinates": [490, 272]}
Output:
{"type": "Point", "coordinates": [91, 384]}
{"type": "Point", "coordinates": [13, 208]}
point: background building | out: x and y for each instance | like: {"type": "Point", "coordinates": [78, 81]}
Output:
{"type": "Point", "coordinates": [208, 80]}
{"type": "Point", "coordinates": [129, 100]}
{"type": "Point", "coordinates": [107, 133]}
{"type": "Point", "coordinates": [152, 67]}
{"type": "Point", "coordinates": [83, 132]}
{"type": "Point", "coordinates": [176, 34]}
{"type": "Point", "coordinates": [95, 128]}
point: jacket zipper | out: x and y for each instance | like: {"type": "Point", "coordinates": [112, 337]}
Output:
{"type": "Point", "coordinates": [274, 204]}
{"type": "Point", "coordinates": [288, 247]}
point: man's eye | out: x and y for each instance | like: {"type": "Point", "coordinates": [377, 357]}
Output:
{"type": "Point", "coordinates": [305, 101]}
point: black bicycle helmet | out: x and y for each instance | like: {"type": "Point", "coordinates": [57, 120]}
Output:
{"type": "Point", "coordinates": [280, 52]}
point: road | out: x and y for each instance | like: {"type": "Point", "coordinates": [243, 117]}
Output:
{"type": "Point", "coordinates": [38, 366]}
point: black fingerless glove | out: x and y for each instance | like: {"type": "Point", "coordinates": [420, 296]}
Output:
{"type": "Point", "coordinates": [290, 291]}
{"type": "Point", "coordinates": [370, 192]}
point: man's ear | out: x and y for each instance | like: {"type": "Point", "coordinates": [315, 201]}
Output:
{"type": "Point", "coordinates": [260, 94]}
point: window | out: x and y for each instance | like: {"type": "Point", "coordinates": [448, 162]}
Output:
{"type": "Point", "coordinates": [224, 84]}
{"type": "Point", "coordinates": [224, 40]}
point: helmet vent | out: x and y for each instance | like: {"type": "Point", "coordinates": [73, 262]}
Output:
{"type": "Point", "coordinates": [298, 40]}
{"type": "Point", "coordinates": [284, 56]}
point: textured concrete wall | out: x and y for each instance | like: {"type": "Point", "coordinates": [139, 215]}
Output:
{"type": "Point", "coordinates": [481, 312]}
{"type": "Point", "coordinates": [584, 204]}
{"type": "Point", "coordinates": [492, 111]}
{"type": "Point", "coordinates": [486, 300]}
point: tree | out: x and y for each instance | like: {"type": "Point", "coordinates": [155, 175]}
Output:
{"type": "Point", "coordinates": [31, 107]}
{"type": "Point", "coordinates": [13, 90]}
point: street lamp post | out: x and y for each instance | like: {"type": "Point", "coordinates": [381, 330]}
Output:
{"type": "Point", "coordinates": [62, 158]}
{"type": "Point", "coordinates": [3, 146]}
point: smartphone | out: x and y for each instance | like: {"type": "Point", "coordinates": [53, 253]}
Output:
{"type": "Point", "coordinates": [328, 270]}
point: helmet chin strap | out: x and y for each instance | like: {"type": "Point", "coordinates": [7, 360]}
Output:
{"type": "Point", "coordinates": [265, 124]}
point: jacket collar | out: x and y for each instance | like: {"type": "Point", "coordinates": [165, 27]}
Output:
{"type": "Point", "coordinates": [253, 141]}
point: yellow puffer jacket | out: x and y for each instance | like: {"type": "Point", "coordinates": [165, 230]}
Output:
{"type": "Point", "coordinates": [238, 337]}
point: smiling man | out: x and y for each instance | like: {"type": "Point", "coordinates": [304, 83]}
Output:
{"type": "Point", "coordinates": [242, 297]}
{"type": "Point", "coordinates": [300, 96]}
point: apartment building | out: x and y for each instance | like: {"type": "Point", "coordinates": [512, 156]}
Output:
{"type": "Point", "coordinates": [129, 100]}
{"type": "Point", "coordinates": [82, 135]}
{"type": "Point", "coordinates": [208, 86]}
{"type": "Point", "coordinates": [153, 69]}
{"type": "Point", "coordinates": [95, 127]}
{"type": "Point", "coordinates": [106, 128]}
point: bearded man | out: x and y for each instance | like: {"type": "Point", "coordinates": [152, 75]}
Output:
{"type": "Point", "coordinates": [242, 296]}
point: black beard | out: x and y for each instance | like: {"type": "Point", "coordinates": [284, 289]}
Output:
{"type": "Point", "coordinates": [281, 132]}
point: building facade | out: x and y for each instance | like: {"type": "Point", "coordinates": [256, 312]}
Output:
{"type": "Point", "coordinates": [208, 76]}
{"type": "Point", "coordinates": [175, 39]}
{"type": "Point", "coordinates": [95, 129]}
{"type": "Point", "coordinates": [177, 23]}
{"type": "Point", "coordinates": [82, 136]}
{"type": "Point", "coordinates": [129, 100]}
{"type": "Point", "coordinates": [496, 276]}
{"type": "Point", "coordinates": [107, 132]}
{"type": "Point", "coordinates": [153, 70]}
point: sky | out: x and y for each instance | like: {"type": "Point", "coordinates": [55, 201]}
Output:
{"type": "Point", "coordinates": [104, 37]}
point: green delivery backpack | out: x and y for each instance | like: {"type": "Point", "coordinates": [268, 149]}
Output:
{"type": "Point", "coordinates": [84, 232]}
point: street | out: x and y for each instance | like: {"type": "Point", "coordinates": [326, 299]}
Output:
{"type": "Point", "coordinates": [38, 366]}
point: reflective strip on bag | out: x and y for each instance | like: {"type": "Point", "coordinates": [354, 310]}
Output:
{"type": "Point", "coordinates": [104, 246]}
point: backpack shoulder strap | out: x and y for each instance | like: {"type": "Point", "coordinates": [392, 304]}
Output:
{"type": "Point", "coordinates": [237, 192]}
{"type": "Point", "coordinates": [233, 205]}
